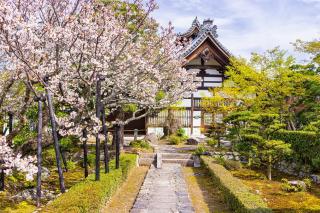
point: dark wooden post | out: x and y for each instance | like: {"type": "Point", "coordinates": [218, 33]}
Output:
{"type": "Point", "coordinates": [39, 149]}
{"type": "Point", "coordinates": [85, 152]}
{"type": "Point", "coordinates": [2, 180]}
{"type": "Point", "coordinates": [10, 122]}
{"type": "Point", "coordinates": [117, 140]}
{"type": "Point", "coordinates": [191, 116]}
{"type": "Point", "coordinates": [98, 114]}
{"type": "Point", "coordinates": [56, 141]}
{"type": "Point", "coordinates": [105, 147]}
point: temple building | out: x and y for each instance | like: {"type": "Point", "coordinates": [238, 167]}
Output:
{"type": "Point", "coordinates": [205, 56]}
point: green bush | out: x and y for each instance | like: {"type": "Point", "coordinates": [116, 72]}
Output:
{"type": "Point", "coordinates": [236, 194]}
{"type": "Point", "coordinates": [301, 186]}
{"type": "Point", "coordinates": [181, 132]}
{"type": "Point", "coordinates": [90, 195]}
{"type": "Point", "coordinates": [305, 145]}
{"type": "Point", "coordinates": [212, 142]}
{"type": "Point", "coordinates": [49, 156]}
{"type": "Point", "coordinates": [141, 144]}
{"type": "Point", "coordinates": [174, 140]}
{"type": "Point", "coordinates": [200, 150]}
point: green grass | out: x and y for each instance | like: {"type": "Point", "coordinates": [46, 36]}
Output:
{"type": "Point", "coordinates": [90, 195]}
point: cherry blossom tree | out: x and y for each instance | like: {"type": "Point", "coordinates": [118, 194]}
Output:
{"type": "Point", "coordinates": [92, 59]}
{"type": "Point", "coordinates": [11, 161]}
{"type": "Point", "coordinates": [115, 67]}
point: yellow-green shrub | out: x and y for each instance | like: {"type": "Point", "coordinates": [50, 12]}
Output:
{"type": "Point", "coordinates": [236, 194]}
{"type": "Point", "coordinates": [90, 195]}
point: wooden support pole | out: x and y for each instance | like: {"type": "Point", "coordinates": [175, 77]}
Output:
{"type": "Point", "coordinates": [39, 150]}
{"type": "Point", "coordinates": [85, 153]}
{"type": "Point", "coordinates": [98, 115]}
{"type": "Point", "coordinates": [117, 140]}
{"type": "Point", "coordinates": [105, 145]}
{"type": "Point", "coordinates": [191, 116]}
{"type": "Point", "coordinates": [2, 180]}
{"type": "Point", "coordinates": [56, 141]}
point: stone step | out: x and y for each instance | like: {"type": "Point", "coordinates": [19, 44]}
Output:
{"type": "Point", "coordinates": [176, 156]}
{"type": "Point", "coordinates": [147, 155]}
{"type": "Point", "coordinates": [182, 162]}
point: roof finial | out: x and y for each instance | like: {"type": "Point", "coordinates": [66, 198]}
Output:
{"type": "Point", "coordinates": [195, 21]}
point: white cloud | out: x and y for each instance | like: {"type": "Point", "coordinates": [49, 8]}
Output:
{"type": "Point", "coordinates": [245, 26]}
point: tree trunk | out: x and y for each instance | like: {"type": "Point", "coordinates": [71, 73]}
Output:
{"type": "Point", "coordinates": [269, 168]}
{"type": "Point", "coordinates": [85, 153]}
{"type": "Point", "coordinates": [98, 115]}
{"type": "Point", "coordinates": [117, 141]}
{"type": "Point", "coordinates": [56, 141]}
{"type": "Point", "coordinates": [105, 145]}
{"type": "Point", "coordinates": [39, 152]}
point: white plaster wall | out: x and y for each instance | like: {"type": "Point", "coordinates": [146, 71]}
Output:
{"type": "Point", "coordinates": [213, 72]}
{"type": "Point", "coordinates": [212, 84]}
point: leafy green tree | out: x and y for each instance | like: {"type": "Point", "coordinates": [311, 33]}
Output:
{"type": "Point", "coordinates": [254, 133]}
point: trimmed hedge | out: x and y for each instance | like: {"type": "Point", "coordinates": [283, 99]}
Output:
{"type": "Point", "coordinates": [305, 144]}
{"type": "Point", "coordinates": [236, 194]}
{"type": "Point", "coordinates": [90, 195]}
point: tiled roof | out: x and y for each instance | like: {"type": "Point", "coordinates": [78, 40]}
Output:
{"type": "Point", "coordinates": [206, 30]}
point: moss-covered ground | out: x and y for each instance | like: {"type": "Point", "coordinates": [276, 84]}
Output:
{"type": "Point", "coordinates": [205, 196]}
{"type": "Point", "coordinates": [277, 199]}
{"type": "Point", "coordinates": [125, 197]}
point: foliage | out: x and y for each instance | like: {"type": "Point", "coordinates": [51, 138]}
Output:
{"type": "Point", "coordinates": [181, 132]}
{"type": "Point", "coordinates": [229, 164]}
{"type": "Point", "coordinates": [71, 164]}
{"type": "Point", "coordinates": [305, 145]}
{"type": "Point", "coordinates": [24, 135]}
{"type": "Point", "coordinates": [212, 142]}
{"type": "Point", "coordinates": [174, 140]}
{"type": "Point", "coordinates": [67, 143]}
{"type": "Point", "coordinates": [236, 194]}
{"type": "Point", "coordinates": [200, 150]}
{"type": "Point", "coordinates": [90, 195]}
{"type": "Point", "coordinates": [301, 185]}
{"type": "Point", "coordinates": [253, 134]}
{"type": "Point", "coordinates": [142, 144]}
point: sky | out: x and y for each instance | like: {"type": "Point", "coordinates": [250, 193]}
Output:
{"type": "Point", "coordinates": [246, 26]}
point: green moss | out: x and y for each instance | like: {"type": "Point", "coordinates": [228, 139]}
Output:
{"type": "Point", "coordinates": [236, 194]}
{"type": "Point", "coordinates": [23, 207]}
{"type": "Point", "coordinates": [90, 195]}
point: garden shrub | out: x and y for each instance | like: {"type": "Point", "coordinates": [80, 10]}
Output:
{"type": "Point", "coordinates": [301, 185]}
{"type": "Point", "coordinates": [212, 142]}
{"type": "Point", "coordinates": [174, 140]}
{"type": "Point", "coordinates": [236, 194]}
{"type": "Point", "coordinates": [181, 132]}
{"type": "Point", "coordinates": [305, 145]}
{"type": "Point", "coordinates": [200, 150]}
{"type": "Point", "coordinates": [90, 195]}
{"type": "Point", "coordinates": [232, 165]}
{"type": "Point", "coordinates": [141, 144]}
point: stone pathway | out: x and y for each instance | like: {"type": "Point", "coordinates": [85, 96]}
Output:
{"type": "Point", "coordinates": [163, 191]}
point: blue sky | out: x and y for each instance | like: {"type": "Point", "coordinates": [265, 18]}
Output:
{"type": "Point", "coordinates": [246, 26]}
